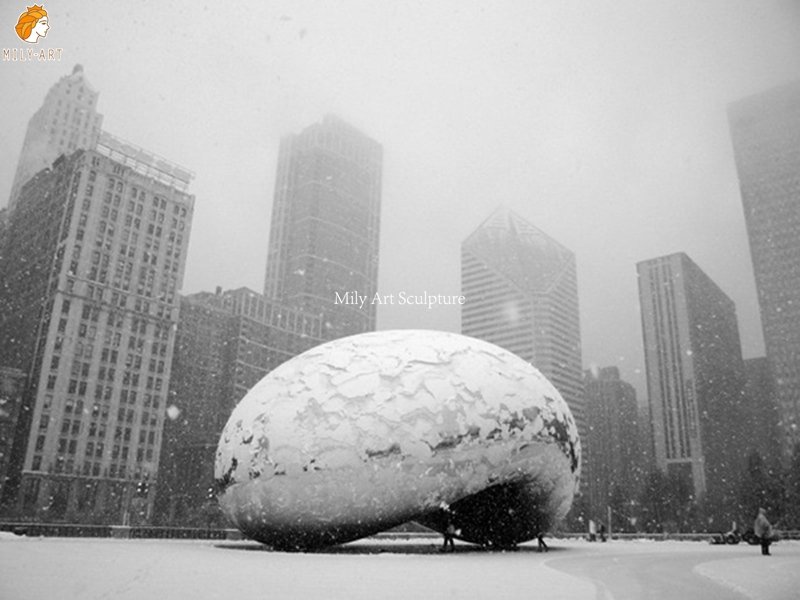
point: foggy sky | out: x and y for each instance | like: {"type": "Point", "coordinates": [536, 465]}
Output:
{"type": "Point", "coordinates": [602, 123]}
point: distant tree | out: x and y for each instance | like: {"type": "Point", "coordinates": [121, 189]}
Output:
{"type": "Point", "coordinates": [679, 500]}
{"type": "Point", "coordinates": [651, 502]}
{"type": "Point", "coordinates": [791, 518]}
{"type": "Point", "coordinates": [667, 502]}
{"type": "Point", "coordinates": [620, 503]}
{"type": "Point", "coordinates": [760, 487]}
{"type": "Point", "coordinates": [577, 518]}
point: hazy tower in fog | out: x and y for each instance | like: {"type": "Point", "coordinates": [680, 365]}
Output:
{"type": "Point", "coordinates": [766, 141]}
{"type": "Point", "coordinates": [695, 374]}
{"type": "Point", "coordinates": [67, 121]}
{"type": "Point", "coordinates": [522, 294]}
{"type": "Point", "coordinates": [325, 225]}
{"type": "Point", "coordinates": [612, 417]}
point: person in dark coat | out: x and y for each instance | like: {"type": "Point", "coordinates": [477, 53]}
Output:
{"type": "Point", "coordinates": [762, 529]}
{"type": "Point", "coordinates": [449, 534]}
{"type": "Point", "coordinates": [542, 546]}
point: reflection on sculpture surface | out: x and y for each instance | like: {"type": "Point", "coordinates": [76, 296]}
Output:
{"type": "Point", "coordinates": [367, 432]}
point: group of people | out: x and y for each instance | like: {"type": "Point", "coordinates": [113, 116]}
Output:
{"type": "Point", "coordinates": [762, 529]}
{"type": "Point", "coordinates": [451, 532]}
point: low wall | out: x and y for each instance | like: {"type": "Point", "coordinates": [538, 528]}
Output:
{"type": "Point", "coordinates": [119, 531]}
{"type": "Point", "coordinates": [201, 533]}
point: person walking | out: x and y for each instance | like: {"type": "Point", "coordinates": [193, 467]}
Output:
{"type": "Point", "coordinates": [762, 529]}
{"type": "Point", "coordinates": [542, 546]}
{"type": "Point", "coordinates": [449, 534]}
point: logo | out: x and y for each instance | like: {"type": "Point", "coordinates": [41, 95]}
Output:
{"type": "Point", "coordinates": [33, 24]}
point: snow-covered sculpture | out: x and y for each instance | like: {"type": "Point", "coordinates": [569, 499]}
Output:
{"type": "Point", "coordinates": [367, 432]}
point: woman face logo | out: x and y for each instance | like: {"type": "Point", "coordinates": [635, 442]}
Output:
{"type": "Point", "coordinates": [41, 27]}
{"type": "Point", "coordinates": [33, 24]}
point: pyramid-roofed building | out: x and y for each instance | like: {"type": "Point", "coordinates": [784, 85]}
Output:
{"type": "Point", "coordinates": [521, 294]}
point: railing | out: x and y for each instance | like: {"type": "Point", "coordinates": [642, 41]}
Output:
{"type": "Point", "coordinates": [119, 531]}
{"type": "Point", "coordinates": [203, 533]}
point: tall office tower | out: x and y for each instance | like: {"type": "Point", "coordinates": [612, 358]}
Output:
{"type": "Point", "coordinates": [325, 226]}
{"type": "Point", "coordinates": [67, 121]}
{"type": "Point", "coordinates": [766, 140]}
{"type": "Point", "coordinates": [225, 343]}
{"type": "Point", "coordinates": [694, 375]}
{"type": "Point", "coordinates": [612, 416]}
{"type": "Point", "coordinates": [522, 294]}
{"type": "Point", "coordinates": [94, 256]}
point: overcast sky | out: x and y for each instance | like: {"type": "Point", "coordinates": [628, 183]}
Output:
{"type": "Point", "coordinates": [602, 123]}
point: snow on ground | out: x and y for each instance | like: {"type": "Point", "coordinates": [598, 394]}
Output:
{"type": "Point", "coordinates": [81, 568]}
{"type": "Point", "coordinates": [777, 576]}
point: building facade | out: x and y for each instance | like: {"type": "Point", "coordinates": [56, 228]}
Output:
{"type": "Point", "coordinates": [765, 130]}
{"type": "Point", "coordinates": [226, 342]}
{"type": "Point", "coordinates": [695, 376]}
{"type": "Point", "coordinates": [325, 225]}
{"type": "Point", "coordinates": [94, 256]}
{"type": "Point", "coordinates": [67, 121]}
{"type": "Point", "coordinates": [521, 293]}
{"type": "Point", "coordinates": [612, 416]}
{"type": "Point", "coordinates": [12, 386]}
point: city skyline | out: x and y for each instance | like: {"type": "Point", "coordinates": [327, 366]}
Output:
{"type": "Point", "coordinates": [621, 155]}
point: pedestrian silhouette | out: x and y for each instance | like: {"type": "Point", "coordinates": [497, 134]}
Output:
{"type": "Point", "coordinates": [449, 534]}
{"type": "Point", "coordinates": [542, 546]}
{"type": "Point", "coordinates": [762, 529]}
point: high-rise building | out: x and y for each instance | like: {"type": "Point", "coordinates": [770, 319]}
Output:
{"type": "Point", "coordinates": [94, 256]}
{"type": "Point", "coordinates": [67, 121]}
{"type": "Point", "coordinates": [521, 293]}
{"type": "Point", "coordinates": [225, 343]}
{"type": "Point", "coordinates": [766, 140]}
{"type": "Point", "coordinates": [695, 375]}
{"type": "Point", "coordinates": [324, 234]}
{"type": "Point", "coordinates": [612, 417]}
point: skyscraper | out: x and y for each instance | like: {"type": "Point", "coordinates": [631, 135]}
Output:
{"type": "Point", "coordinates": [612, 417]}
{"type": "Point", "coordinates": [695, 375]}
{"type": "Point", "coordinates": [521, 294]}
{"type": "Point", "coordinates": [67, 121]}
{"type": "Point", "coordinates": [766, 140]}
{"type": "Point", "coordinates": [225, 343]}
{"type": "Point", "coordinates": [325, 225]}
{"type": "Point", "coordinates": [94, 255]}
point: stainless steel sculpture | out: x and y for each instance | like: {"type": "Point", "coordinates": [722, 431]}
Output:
{"type": "Point", "coordinates": [367, 432]}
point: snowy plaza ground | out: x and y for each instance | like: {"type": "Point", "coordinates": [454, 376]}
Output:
{"type": "Point", "coordinates": [84, 568]}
